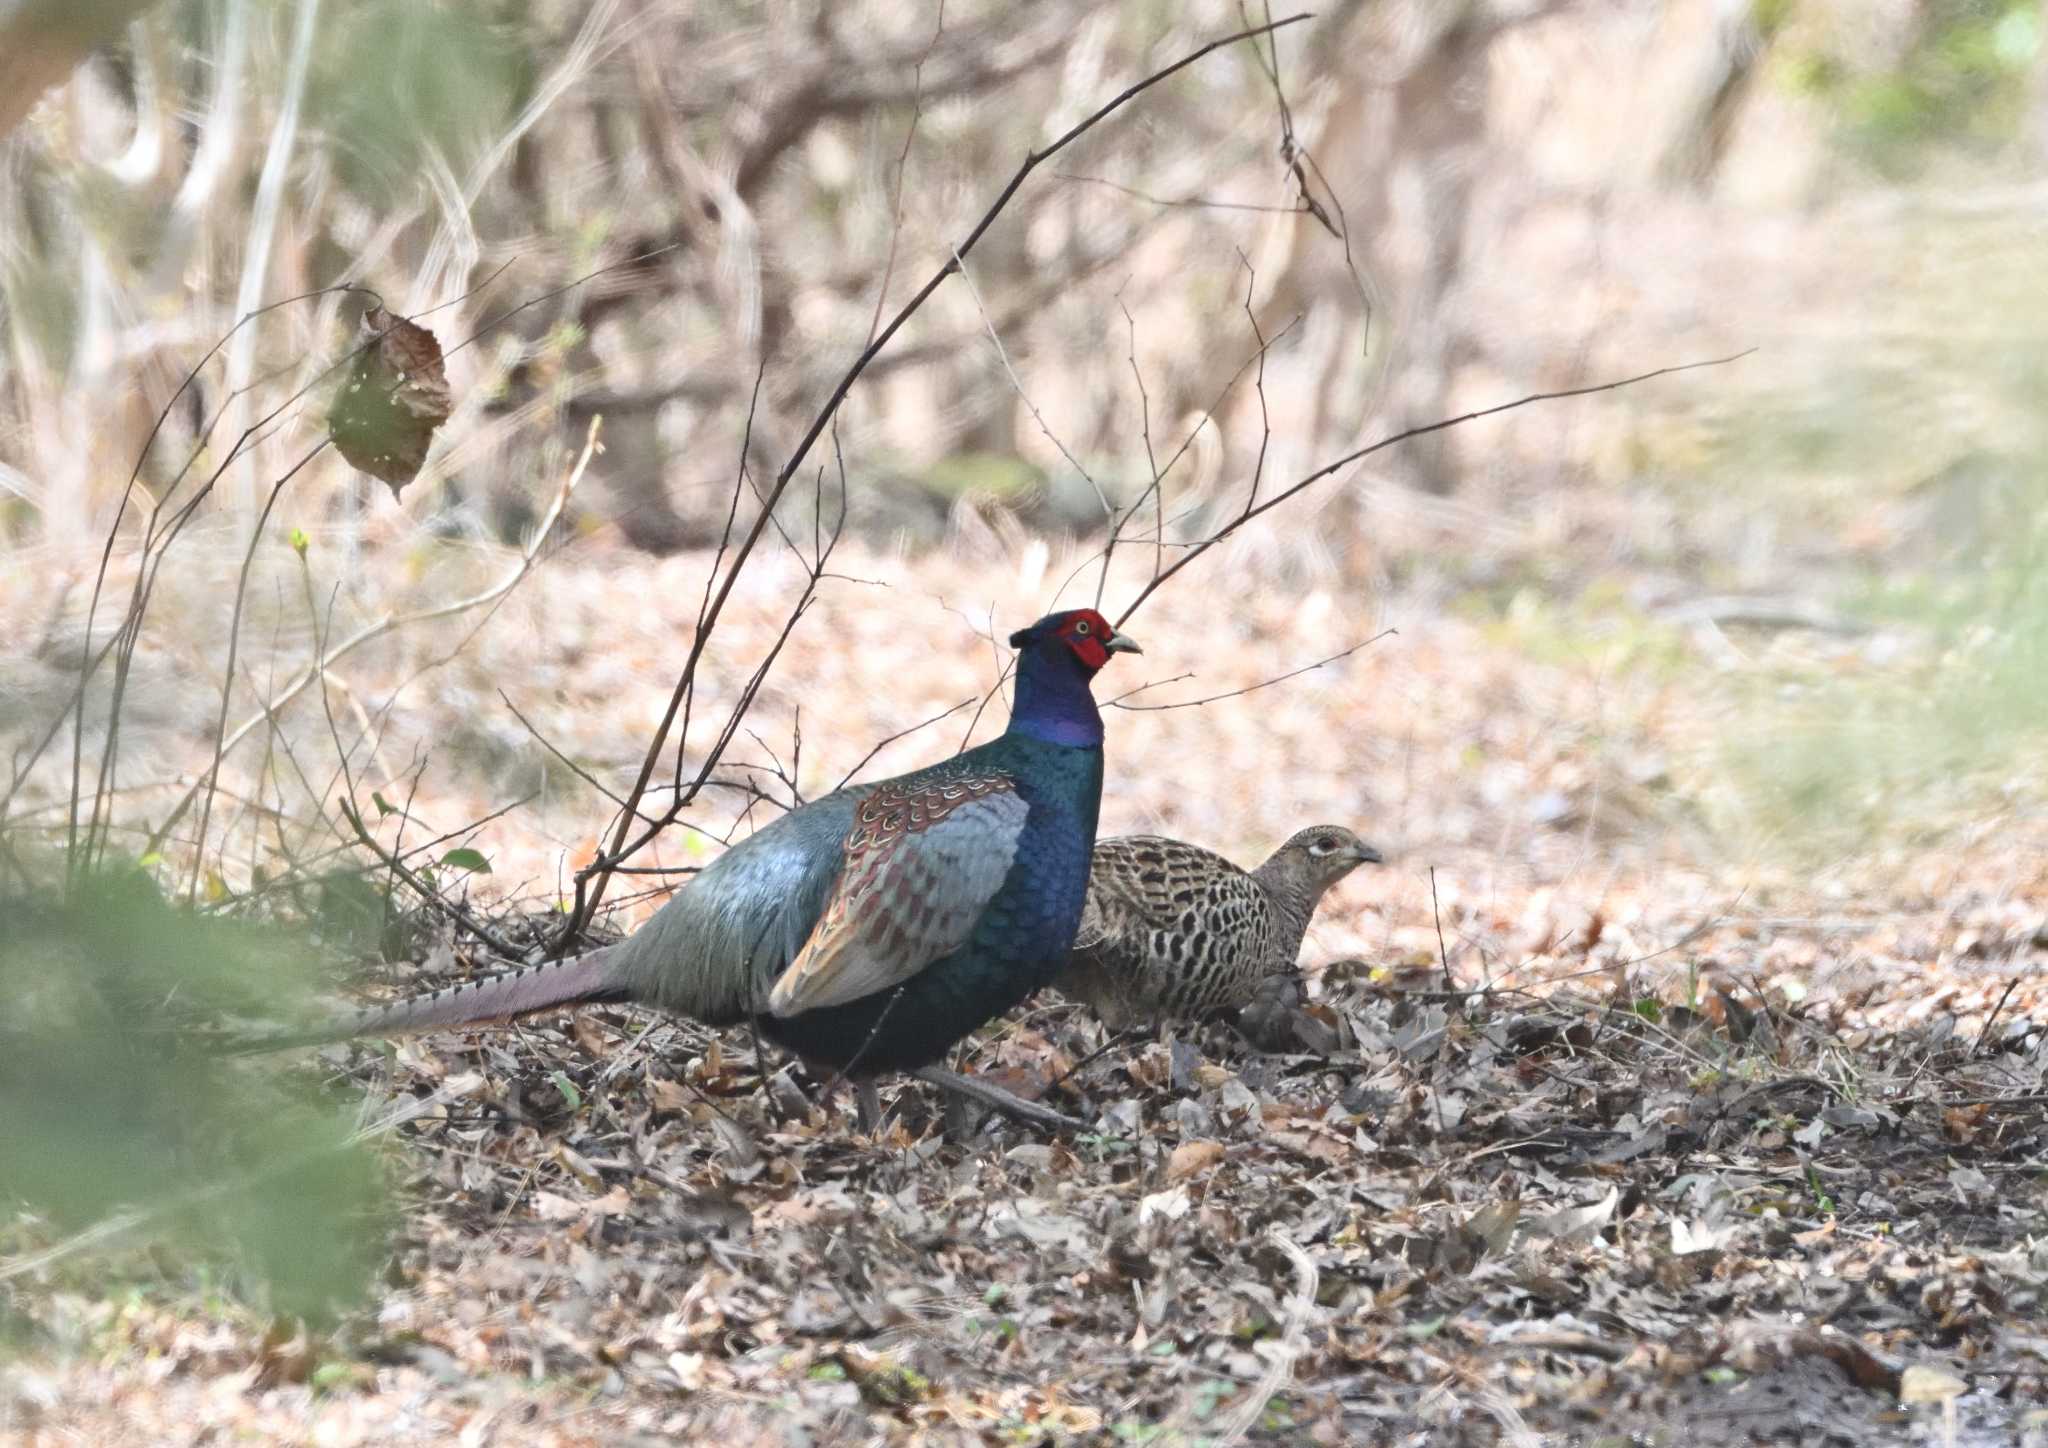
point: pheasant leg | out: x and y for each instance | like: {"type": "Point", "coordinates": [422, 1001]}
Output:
{"type": "Point", "coordinates": [869, 1101]}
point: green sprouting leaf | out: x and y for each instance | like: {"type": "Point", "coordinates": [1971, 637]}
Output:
{"type": "Point", "coordinates": [384, 806]}
{"type": "Point", "coordinates": [467, 859]}
{"type": "Point", "coordinates": [299, 541]}
{"type": "Point", "coordinates": [568, 1089]}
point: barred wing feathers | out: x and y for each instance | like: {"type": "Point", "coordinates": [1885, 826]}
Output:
{"type": "Point", "coordinates": [922, 862]}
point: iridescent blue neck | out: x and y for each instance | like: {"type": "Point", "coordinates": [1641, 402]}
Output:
{"type": "Point", "coordinates": [1053, 702]}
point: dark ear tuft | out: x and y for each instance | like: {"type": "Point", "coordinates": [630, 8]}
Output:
{"type": "Point", "coordinates": [1020, 638]}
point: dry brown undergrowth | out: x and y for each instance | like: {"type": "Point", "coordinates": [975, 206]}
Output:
{"type": "Point", "coordinates": [1798, 1190]}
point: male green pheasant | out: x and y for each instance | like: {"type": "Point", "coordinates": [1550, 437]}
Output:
{"type": "Point", "coordinates": [871, 929]}
{"type": "Point", "coordinates": [1175, 931]}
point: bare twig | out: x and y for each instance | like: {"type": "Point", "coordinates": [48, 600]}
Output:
{"type": "Point", "coordinates": [1192, 202]}
{"type": "Point", "coordinates": [377, 628]}
{"type": "Point", "coordinates": [902, 168]}
{"type": "Point", "coordinates": [1404, 435]}
{"type": "Point", "coordinates": [498, 944]}
{"type": "Point", "coordinates": [590, 881]}
{"type": "Point", "coordinates": [886, 740]}
{"type": "Point", "coordinates": [228, 674]}
{"type": "Point", "coordinates": [1443, 955]}
{"type": "Point", "coordinates": [1250, 688]}
{"type": "Point", "coordinates": [1985, 1034]}
{"type": "Point", "coordinates": [548, 744]}
{"type": "Point", "coordinates": [1107, 552]}
{"type": "Point", "coordinates": [1017, 385]}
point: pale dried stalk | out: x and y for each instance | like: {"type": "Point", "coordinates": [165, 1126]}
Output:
{"type": "Point", "coordinates": [1292, 1340]}
{"type": "Point", "coordinates": [263, 221]}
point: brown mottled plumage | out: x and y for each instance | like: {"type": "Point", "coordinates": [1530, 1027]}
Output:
{"type": "Point", "coordinates": [1173, 930]}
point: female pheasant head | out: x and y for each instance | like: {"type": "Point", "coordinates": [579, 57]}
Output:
{"type": "Point", "coordinates": [1057, 658]}
{"type": "Point", "coordinates": [1314, 859]}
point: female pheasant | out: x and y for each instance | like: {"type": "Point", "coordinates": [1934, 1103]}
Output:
{"type": "Point", "coordinates": [873, 928]}
{"type": "Point", "coordinates": [1172, 930]}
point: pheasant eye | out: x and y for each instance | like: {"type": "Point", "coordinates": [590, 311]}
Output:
{"type": "Point", "coordinates": [1081, 627]}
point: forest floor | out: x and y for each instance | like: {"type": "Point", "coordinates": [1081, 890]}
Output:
{"type": "Point", "coordinates": [1645, 1121]}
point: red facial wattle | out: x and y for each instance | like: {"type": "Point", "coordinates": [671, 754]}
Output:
{"type": "Point", "coordinates": [1088, 636]}
{"type": "Point", "coordinates": [1088, 648]}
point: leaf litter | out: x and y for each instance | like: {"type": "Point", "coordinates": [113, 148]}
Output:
{"type": "Point", "coordinates": [1579, 1138]}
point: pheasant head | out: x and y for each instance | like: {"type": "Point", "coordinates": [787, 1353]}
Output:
{"type": "Point", "coordinates": [1313, 860]}
{"type": "Point", "coordinates": [1057, 659]}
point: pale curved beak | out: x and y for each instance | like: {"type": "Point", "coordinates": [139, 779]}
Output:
{"type": "Point", "coordinates": [1366, 855]}
{"type": "Point", "coordinates": [1119, 643]}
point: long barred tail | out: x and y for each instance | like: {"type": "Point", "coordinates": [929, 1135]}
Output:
{"type": "Point", "coordinates": [587, 979]}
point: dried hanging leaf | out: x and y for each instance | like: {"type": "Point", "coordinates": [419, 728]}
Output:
{"type": "Point", "coordinates": [395, 395]}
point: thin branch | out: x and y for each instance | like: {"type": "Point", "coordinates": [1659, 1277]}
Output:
{"type": "Point", "coordinates": [887, 740]}
{"type": "Point", "coordinates": [1442, 954]}
{"type": "Point", "coordinates": [1107, 552]}
{"type": "Point", "coordinates": [591, 880]}
{"type": "Point", "coordinates": [132, 620]}
{"type": "Point", "coordinates": [548, 744]}
{"type": "Point", "coordinates": [228, 674]}
{"type": "Point", "coordinates": [902, 168]}
{"type": "Point", "coordinates": [1193, 202]}
{"type": "Point", "coordinates": [1017, 384]}
{"type": "Point", "coordinates": [1405, 435]}
{"type": "Point", "coordinates": [1147, 685]}
{"type": "Point", "coordinates": [1249, 688]}
{"type": "Point", "coordinates": [390, 860]}
{"type": "Point", "coordinates": [1978, 1048]}
{"type": "Point", "coordinates": [377, 628]}
{"type": "Point", "coordinates": [1157, 487]}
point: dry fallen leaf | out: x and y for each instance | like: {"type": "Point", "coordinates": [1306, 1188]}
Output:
{"type": "Point", "coordinates": [1167, 1206]}
{"type": "Point", "coordinates": [1689, 1236]}
{"type": "Point", "coordinates": [554, 1207]}
{"type": "Point", "coordinates": [1582, 1223]}
{"type": "Point", "coordinates": [1191, 1158]}
{"type": "Point", "coordinates": [1921, 1384]}
{"type": "Point", "coordinates": [668, 1095]}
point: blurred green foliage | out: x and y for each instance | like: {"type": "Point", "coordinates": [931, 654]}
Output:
{"type": "Point", "coordinates": [1941, 715]}
{"type": "Point", "coordinates": [995, 474]}
{"type": "Point", "coordinates": [107, 1105]}
{"type": "Point", "coordinates": [398, 85]}
{"type": "Point", "coordinates": [1961, 79]}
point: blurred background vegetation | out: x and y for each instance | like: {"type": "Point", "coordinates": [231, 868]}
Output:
{"type": "Point", "coordinates": [106, 1107]}
{"type": "Point", "coordinates": [1825, 561]}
